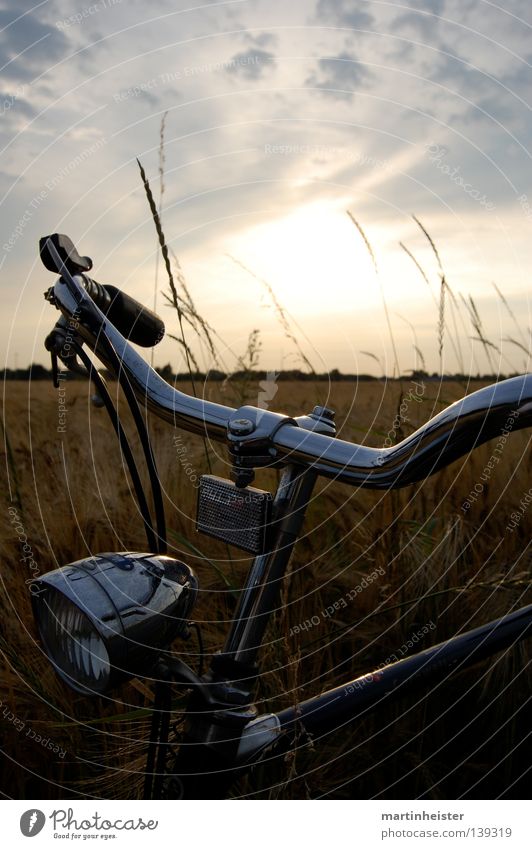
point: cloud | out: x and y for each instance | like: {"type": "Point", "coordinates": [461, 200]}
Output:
{"type": "Point", "coordinates": [344, 12]}
{"type": "Point", "coordinates": [251, 63]}
{"type": "Point", "coordinates": [39, 43]}
{"type": "Point", "coordinates": [435, 6]}
{"type": "Point", "coordinates": [338, 75]}
{"type": "Point", "coordinates": [263, 39]}
{"type": "Point", "coordinates": [428, 17]}
{"type": "Point", "coordinates": [11, 100]}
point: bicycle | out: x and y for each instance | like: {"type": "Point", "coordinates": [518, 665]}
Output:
{"type": "Point", "coordinates": [110, 617]}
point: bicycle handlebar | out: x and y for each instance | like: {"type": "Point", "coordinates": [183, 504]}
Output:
{"type": "Point", "coordinates": [494, 410]}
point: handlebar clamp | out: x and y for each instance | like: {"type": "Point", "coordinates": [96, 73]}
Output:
{"type": "Point", "coordinates": [250, 435]}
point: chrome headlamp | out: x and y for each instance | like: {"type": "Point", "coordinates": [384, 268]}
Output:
{"type": "Point", "coordinates": [107, 618]}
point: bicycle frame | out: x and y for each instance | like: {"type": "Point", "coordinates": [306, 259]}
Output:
{"type": "Point", "coordinates": [210, 762]}
{"type": "Point", "coordinates": [223, 734]}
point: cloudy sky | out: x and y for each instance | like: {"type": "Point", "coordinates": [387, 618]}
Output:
{"type": "Point", "coordinates": [281, 117]}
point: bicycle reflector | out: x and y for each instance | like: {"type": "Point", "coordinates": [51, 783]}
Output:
{"type": "Point", "coordinates": [108, 618]}
{"type": "Point", "coordinates": [239, 517]}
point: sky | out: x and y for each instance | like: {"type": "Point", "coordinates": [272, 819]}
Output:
{"type": "Point", "coordinates": [280, 119]}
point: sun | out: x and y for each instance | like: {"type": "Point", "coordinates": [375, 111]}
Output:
{"type": "Point", "coordinates": [313, 258]}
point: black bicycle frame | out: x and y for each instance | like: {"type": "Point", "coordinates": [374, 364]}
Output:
{"type": "Point", "coordinates": [221, 742]}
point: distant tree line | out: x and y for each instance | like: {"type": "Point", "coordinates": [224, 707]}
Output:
{"type": "Point", "coordinates": [39, 372]}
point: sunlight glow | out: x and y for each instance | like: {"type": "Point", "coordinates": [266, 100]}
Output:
{"type": "Point", "coordinates": [313, 258]}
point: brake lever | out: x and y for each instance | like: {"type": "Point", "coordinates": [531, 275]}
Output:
{"type": "Point", "coordinates": [61, 342]}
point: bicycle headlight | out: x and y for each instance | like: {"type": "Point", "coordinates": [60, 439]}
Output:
{"type": "Point", "coordinates": [107, 618]}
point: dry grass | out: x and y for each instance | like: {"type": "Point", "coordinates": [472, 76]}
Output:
{"type": "Point", "coordinates": [438, 564]}
{"type": "Point", "coordinates": [441, 565]}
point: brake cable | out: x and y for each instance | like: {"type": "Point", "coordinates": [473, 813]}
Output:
{"type": "Point", "coordinates": [101, 387]}
{"type": "Point", "coordinates": [110, 352]}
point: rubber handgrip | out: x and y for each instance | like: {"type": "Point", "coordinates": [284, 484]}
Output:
{"type": "Point", "coordinates": [134, 321]}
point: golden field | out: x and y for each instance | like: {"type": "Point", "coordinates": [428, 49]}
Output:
{"type": "Point", "coordinates": [437, 573]}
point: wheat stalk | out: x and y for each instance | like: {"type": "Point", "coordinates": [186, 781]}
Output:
{"type": "Point", "coordinates": [384, 304]}
{"type": "Point", "coordinates": [283, 315]}
{"type": "Point", "coordinates": [454, 340]}
{"type": "Point", "coordinates": [164, 251]}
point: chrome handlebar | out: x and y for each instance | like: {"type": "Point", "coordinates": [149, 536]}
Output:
{"type": "Point", "coordinates": [490, 412]}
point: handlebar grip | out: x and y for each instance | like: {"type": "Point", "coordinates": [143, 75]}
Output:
{"type": "Point", "coordinates": [133, 320]}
